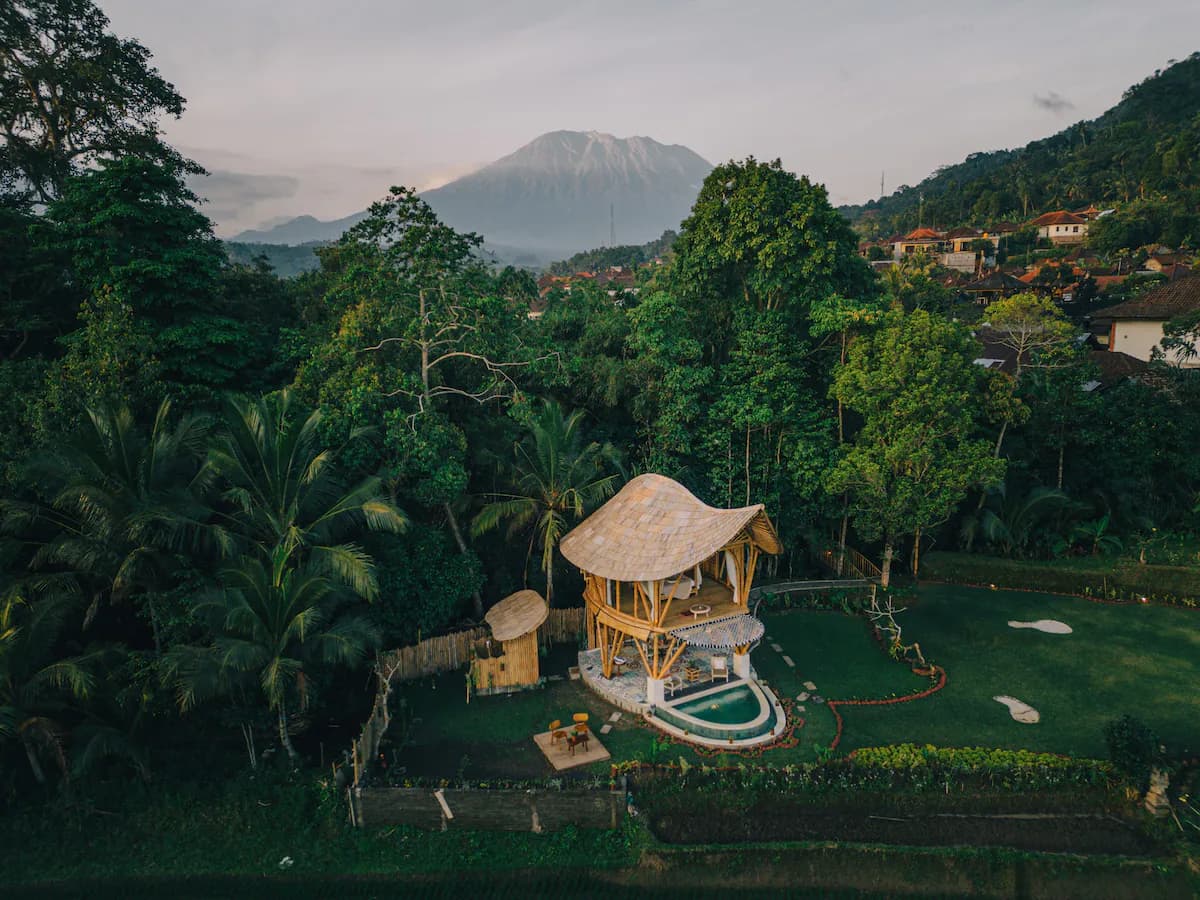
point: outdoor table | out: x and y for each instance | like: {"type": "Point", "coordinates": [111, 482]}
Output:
{"type": "Point", "coordinates": [699, 609]}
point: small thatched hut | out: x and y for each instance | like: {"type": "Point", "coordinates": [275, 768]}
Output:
{"type": "Point", "coordinates": [508, 661]}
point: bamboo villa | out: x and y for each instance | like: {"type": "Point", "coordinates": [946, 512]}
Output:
{"type": "Point", "coordinates": [667, 583]}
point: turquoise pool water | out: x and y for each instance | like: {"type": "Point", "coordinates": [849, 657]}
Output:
{"type": "Point", "coordinates": [738, 712]}
{"type": "Point", "coordinates": [732, 707]}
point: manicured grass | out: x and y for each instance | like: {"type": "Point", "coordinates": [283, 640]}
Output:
{"type": "Point", "coordinates": [492, 736]}
{"type": "Point", "coordinates": [1142, 660]}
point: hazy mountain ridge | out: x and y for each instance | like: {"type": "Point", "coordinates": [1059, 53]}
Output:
{"type": "Point", "coordinates": [552, 197]}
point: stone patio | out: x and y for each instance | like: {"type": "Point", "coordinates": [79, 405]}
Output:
{"type": "Point", "coordinates": [628, 690]}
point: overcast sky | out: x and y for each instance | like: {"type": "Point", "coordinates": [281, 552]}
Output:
{"type": "Point", "coordinates": [330, 102]}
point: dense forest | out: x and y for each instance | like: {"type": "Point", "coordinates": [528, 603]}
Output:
{"type": "Point", "coordinates": [1146, 148]}
{"type": "Point", "coordinates": [224, 490]}
{"type": "Point", "coordinates": [625, 255]}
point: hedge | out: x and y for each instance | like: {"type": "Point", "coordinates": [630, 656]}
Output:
{"type": "Point", "coordinates": [906, 767]}
{"type": "Point", "coordinates": [1124, 581]}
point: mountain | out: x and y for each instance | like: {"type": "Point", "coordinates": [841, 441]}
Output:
{"type": "Point", "coordinates": [1145, 147]}
{"type": "Point", "coordinates": [552, 197]}
{"type": "Point", "coordinates": [300, 230]}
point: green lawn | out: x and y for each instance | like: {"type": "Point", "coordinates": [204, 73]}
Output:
{"type": "Point", "coordinates": [492, 736]}
{"type": "Point", "coordinates": [1142, 660]}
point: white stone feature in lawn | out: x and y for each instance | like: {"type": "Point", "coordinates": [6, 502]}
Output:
{"type": "Point", "coordinates": [789, 662]}
{"type": "Point", "coordinates": [1022, 712]}
{"type": "Point", "coordinates": [1050, 626]}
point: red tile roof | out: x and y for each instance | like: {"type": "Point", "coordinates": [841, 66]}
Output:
{"type": "Point", "coordinates": [1061, 217]}
{"type": "Point", "coordinates": [923, 234]}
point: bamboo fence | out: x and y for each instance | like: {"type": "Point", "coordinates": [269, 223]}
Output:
{"type": "Point", "coordinates": [444, 653]}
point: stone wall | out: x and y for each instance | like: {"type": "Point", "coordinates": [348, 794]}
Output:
{"type": "Point", "coordinates": [487, 809]}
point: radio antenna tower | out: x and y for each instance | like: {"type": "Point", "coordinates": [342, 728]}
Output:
{"type": "Point", "coordinates": [612, 227]}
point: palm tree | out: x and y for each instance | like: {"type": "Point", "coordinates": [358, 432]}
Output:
{"type": "Point", "coordinates": [1011, 519]}
{"type": "Point", "coordinates": [279, 612]}
{"type": "Point", "coordinates": [35, 687]}
{"type": "Point", "coordinates": [554, 479]}
{"type": "Point", "coordinates": [273, 622]}
{"type": "Point", "coordinates": [284, 488]}
{"type": "Point", "coordinates": [124, 506]}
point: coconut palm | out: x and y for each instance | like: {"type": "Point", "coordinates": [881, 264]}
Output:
{"type": "Point", "coordinates": [273, 622]}
{"type": "Point", "coordinates": [554, 479]}
{"type": "Point", "coordinates": [284, 488]}
{"type": "Point", "coordinates": [35, 687]}
{"type": "Point", "coordinates": [124, 507]}
{"type": "Point", "coordinates": [280, 609]}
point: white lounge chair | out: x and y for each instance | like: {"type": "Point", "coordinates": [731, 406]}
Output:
{"type": "Point", "coordinates": [720, 668]}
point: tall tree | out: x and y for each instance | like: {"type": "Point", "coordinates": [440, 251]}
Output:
{"type": "Point", "coordinates": [129, 230]}
{"type": "Point", "coordinates": [73, 93]}
{"type": "Point", "coordinates": [555, 478]}
{"type": "Point", "coordinates": [274, 621]}
{"type": "Point", "coordinates": [287, 495]}
{"type": "Point", "coordinates": [423, 336]}
{"type": "Point", "coordinates": [913, 382]}
{"type": "Point", "coordinates": [1036, 332]}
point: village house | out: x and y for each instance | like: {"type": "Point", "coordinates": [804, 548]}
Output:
{"type": "Point", "coordinates": [1061, 227]}
{"type": "Point", "coordinates": [1136, 327]}
{"type": "Point", "coordinates": [994, 286]}
{"type": "Point", "coordinates": [919, 240]}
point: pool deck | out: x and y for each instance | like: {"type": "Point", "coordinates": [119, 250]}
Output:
{"type": "Point", "coordinates": [627, 691]}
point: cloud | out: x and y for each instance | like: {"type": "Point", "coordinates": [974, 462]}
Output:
{"type": "Point", "coordinates": [234, 198]}
{"type": "Point", "coordinates": [1053, 102]}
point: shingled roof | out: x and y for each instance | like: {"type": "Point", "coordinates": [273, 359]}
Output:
{"type": "Point", "coordinates": [1165, 302]}
{"type": "Point", "coordinates": [654, 528]}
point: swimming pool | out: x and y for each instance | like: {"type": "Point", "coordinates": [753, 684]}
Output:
{"type": "Point", "coordinates": [741, 712]}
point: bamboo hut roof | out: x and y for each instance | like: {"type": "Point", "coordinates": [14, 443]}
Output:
{"type": "Point", "coordinates": [517, 615]}
{"type": "Point", "coordinates": [655, 528]}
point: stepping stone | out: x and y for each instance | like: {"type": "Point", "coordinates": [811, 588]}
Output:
{"type": "Point", "coordinates": [818, 699]}
{"type": "Point", "coordinates": [1020, 711]}
{"type": "Point", "coordinates": [1049, 626]}
{"type": "Point", "coordinates": [802, 696]}
{"type": "Point", "coordinates": [799, 707]}
{"type": "Point", "coordinates": [776, 648]}
{"type": "Point", "coordinates": [554, 678]}
{"type": "Point", "coordinates": [605, 728]}
{"type": "Point", "coordinates": [788, 662]}
{"type": "Point", "coordinates": [614, 717]}
{"type": "Point", "coordinates": [809, 686]}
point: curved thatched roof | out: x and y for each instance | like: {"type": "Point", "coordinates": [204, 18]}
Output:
{"type": "Point", "coordinates": [517, 615]}
{"type": "Point", "coordinates": [655, 528]}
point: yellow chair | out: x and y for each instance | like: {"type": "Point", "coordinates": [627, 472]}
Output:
{"type": "Point", "coordinates": [556, 734]}
{"type": "Point", "coordinates": [580, 717]}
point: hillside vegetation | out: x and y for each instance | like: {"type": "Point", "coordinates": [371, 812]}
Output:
{"type": "Point", "coordinates": [1145, 147]}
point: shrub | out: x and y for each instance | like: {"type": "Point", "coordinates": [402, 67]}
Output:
{"type": "Point", "coordinates": [1133, 749]}
{"type": "Point", "coordinates": [1122, 580]}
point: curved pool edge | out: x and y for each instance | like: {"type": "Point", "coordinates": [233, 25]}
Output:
{"type": "Point", "coordinates": [770, 704]}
